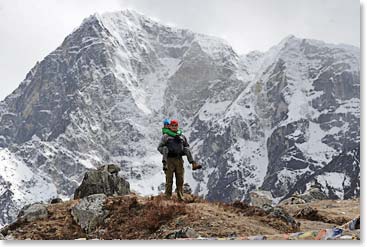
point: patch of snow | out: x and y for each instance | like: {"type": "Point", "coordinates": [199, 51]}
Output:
{"type": "Point", "coordinates": [349, 106]}
{"type": "Point", "coordinates": [295, 134]}
{"type": "Point", "coordinates": [313, 147]}
{"type": "Point", "coordinates": [335, 180]}
{"type": "Point", "coordinates": [155, 83]}
{"type": "Point", "coordinates": [249, 156]}
{"type": "Point", "coordinates": [213, 46]}
{"type": "Point", "coordinates": [286, 176]}
{"type": "Point", "coordinates": [26, 185]}
{"type": "Point", "coordinates": [212, 110]}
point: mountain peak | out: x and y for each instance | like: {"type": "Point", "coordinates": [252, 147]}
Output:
{"type": "Point", "coordinates": [126, 13]}
{"type": "Point", "coordinates": [130, 16]}
{"type": "Point", "coordinates": [289, 37]}
{"type": "Point", "coordinates": [292, 40]}
{"type": "Point", "coordinates": [288, 40]}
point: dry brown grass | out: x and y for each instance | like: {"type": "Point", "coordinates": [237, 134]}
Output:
{"type": "Point", "coordinates": [134, 219]}
{"type": "Point", "coordinates": [216, 220]}
{"type": "Point", "coordinates": [58, 226]}
{"type": "Point", "coordinates": [246, 210]}
{"type": "Point", "coordinates": [312, 214]}
{"type": "Point", "coordinates": [277, 223]}
{"type": "Point", "coordinates": [329, 213]}
{"type": "Point", "coordinates": [346, 208]}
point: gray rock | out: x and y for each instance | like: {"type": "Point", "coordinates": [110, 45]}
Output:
{"type": "Point", "coordinates": [110, 168]}
{"type": "Point", "coordinates": [33, 212]}
{"type": "Point", "coordinates": [89, 213]}
{"type": "Point", "coordinates": [9, 237]}
{"type": "Point", "coordinates": [308, 212]}
{"type": "Point", "coordinates": [187, 189]}
{"type": "Point", "coordinates": [280, 213]}
{"type": "Point", "coordinates": [162, 187]}
{"type": "Point", "coordinates": [55, 200]}
{"type": "Point", "coordinates": [260, 197]}
{"type": "Point", "coordinates": [105, 180]}
{"type": "Point", "coordinates": [293, 200]}
{"type": "Point", "coordinates": [1, 237]}
{"type": "Point", "coordinates": [186, 232]}
{"type": "Point", "coordinates": [313, 195]}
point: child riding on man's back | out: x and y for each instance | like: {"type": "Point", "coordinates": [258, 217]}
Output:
{"type": "Point", "coordinates": [166, 130]}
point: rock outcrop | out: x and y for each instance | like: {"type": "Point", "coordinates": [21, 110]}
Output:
{"type": "Point", "coordinates": [278, 212]}
{"type": "Point", "coordinates": [90, 212]}
{"type": "Point", "coordinates": [259, 198]}
{"type": "Point", "coordinates": [33, 212]}
{"type": "Point", "coordinates": [105, 180]}
{"type": "Point", "coordinates": [314, 193]}
{"type": "Point", "coordinates": [55, 200]}
{"type": "Point", "coordinates": [186, 232]}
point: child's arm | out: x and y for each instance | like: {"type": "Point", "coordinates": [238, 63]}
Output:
{"type": "Point", "coordinates": [162, 143]}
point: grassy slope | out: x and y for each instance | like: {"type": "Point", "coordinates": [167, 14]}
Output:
{"type": "Point", "coordinates": [134, 217]}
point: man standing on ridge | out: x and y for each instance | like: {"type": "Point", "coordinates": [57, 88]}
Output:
{"type": "Point", "coordinates": [176, 144]}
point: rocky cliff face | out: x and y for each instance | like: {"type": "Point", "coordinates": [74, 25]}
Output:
{"type": "Point", "coordinates": [258, 120]}
{"type": "Point", "coordinates": [313, 97]}
{"type": "Point", "coordinates": [338, 179]}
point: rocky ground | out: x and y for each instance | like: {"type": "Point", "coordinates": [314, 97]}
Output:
{"type": "Point", "coordinates": [135, 217]}
{"type": "Point", "coordinates": [326, 213]}
{"type": "Point", "coordinates": [105, 208]}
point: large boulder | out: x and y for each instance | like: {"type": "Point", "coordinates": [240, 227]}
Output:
{"type": "Point", "coordinates": [313, 194]}
{"type": "Point", "coordinates": [260, 197]}
{"type": "Point", "coordinates": [294, 199]}
{"type": "Point", "coordinates": [33, 212]}
{"type": "Point", "coordinates": [280, 213]}
{"type": "Point", "coordinates": [89, 213]}
{"type": "Point", "coordinates": [55, 200]}
{"type": "Point", "coordinates": [105, 180]}
{"type": "Point", "coordinates": [309, 213]}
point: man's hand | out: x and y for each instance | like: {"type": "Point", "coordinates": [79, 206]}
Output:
{"type": "Point", "coordinates": [164, 166]}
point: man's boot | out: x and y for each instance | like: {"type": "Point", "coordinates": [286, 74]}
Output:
{"type": "Point", "coordinates": [195, 166]}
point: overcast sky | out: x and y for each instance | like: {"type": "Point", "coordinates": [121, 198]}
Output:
{"type": "Point", "coordinates": [31, 29]}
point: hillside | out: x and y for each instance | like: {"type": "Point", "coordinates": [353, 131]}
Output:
{"type": "Point", "coordinates": [136, 217]}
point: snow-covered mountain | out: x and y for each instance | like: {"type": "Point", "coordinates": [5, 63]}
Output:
{"type": "Point", "coordinates": [257, 120]}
